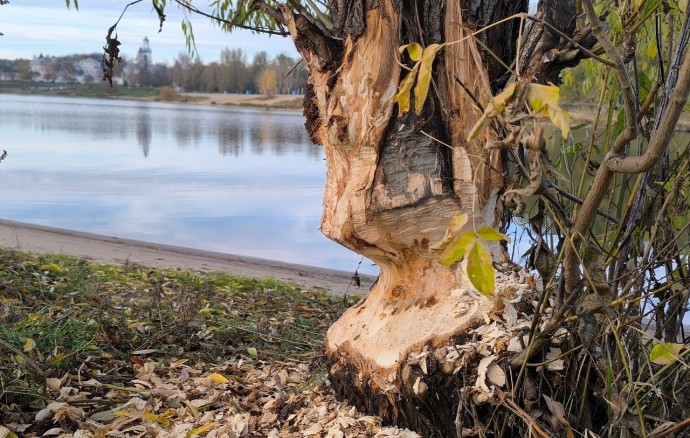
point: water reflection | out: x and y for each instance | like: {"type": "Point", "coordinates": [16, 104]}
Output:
{"type": "Point", "coordinates": [230, 180]}
{"type": "Point", "coordinates": [144, 134]}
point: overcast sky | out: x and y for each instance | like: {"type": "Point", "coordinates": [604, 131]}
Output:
{"type": "Point", "coordinates": [32, 27]}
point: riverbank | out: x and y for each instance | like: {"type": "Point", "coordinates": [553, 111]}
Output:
{"type": "Point", "coordinates": [283, 101]}
{"type": "Point", "coordinates": [113, 250]}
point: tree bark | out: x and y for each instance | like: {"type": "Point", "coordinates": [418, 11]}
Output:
{"type": "Point", "coordinates": [394, 182]}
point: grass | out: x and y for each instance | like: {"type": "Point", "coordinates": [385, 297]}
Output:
{"type": "Point", "coordinates": [99, 89]}
{"type": "Point", "coordinates": [60, 314]}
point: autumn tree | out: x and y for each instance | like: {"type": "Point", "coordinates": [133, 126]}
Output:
{"type": "Point", "coordinates": [433, 117]}
{"type": "Point", "coordinates": [268, 82]}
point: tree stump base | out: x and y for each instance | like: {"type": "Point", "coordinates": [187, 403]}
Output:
{"type": "Point", "coordinates": [419, 368]}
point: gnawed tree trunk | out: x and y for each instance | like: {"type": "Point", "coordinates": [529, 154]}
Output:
{"type": "Point", "coordinates": [394, 182]}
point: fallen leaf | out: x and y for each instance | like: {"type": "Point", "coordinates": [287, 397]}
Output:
{"type": "Point", "coordinates": [218, 378]}
{"type": "Point", "coordinates": [496, 375]}
{"type": "Point", "coordinates": [556, 409]}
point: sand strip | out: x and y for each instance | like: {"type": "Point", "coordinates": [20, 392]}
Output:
{"type": "Point", "coordinates": [105, 249]}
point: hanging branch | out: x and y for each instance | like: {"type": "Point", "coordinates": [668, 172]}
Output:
{"type": "Point", "coordinates": [269, 10]}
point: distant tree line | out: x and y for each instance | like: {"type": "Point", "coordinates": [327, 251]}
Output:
{"type": "Point", "coordinates": [232, 73]}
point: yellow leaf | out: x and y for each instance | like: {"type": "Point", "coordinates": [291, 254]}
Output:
{"type": "Point", "coordinates": [491, 235]}
{"type": "Point", "coordinates": [52, 268]}
{"type": "Point", "coordinates": [403, 96]}
{"type": "Point", "coordinates": [252, 351]}
{"type": "Point", "coordinates": [544, 101]}
{"type": "Point", "coordinates": [665, 353]}
{"type": "Point", "coordinates": [457, 249]}
{"type": "Point", "coordinates": [480, 270]}
{"type": "Point", "coordinates": [218, 378]}
{"type": "Point", "coordinates": [156, 418]}
{"type": "Point", "coordinates": [6, 433]}
{"type": "Point", "coordinates": [201, 429]}
{"type": "Point", "coordinates": [494, 108]}
{"type": "Point", "coordinates": [652, 51]}
{"type": "Point", "coordinates": [29, 345]}
{"type": "Point", "coordinates": [454, 226]}
{"type": "Point", "coordinates": [413, 49]}
{"type": "Point", "coordinates": [424, 77]}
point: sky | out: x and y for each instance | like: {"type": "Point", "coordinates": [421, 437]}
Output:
{"type": "Point", "coordinates": [48, 27]}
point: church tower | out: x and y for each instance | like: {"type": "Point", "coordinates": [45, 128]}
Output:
{"type": "Point", "coordinates": [143, 57]}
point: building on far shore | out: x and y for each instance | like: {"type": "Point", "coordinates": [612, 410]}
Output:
{"type": "Point", "coordinates": [138, 72]}
{"type": "Point", "coordinates": [143, 57]}
{"type": "Point", "coordinates": [72, 69]}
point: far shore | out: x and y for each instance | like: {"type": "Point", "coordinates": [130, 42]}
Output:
{"type": "Point", "coordinates": [280, 101]}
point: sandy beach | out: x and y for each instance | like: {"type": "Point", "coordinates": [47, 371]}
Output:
{"type": "Point", "coordinates": [107, 249]}
{"type": "Point", "coordinates": [281, 101]}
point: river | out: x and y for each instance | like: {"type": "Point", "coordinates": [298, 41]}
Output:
{"type": "Point", "coordinates": [231, 180]}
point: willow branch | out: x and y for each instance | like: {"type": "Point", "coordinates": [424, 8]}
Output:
{"type": "Point", "coordinates": [268, 10]}
{"type": "Point", "coordinates": [676, 94]}
{"type": "Point", "coordinates": [602, 179]}
{"type": "Point", "coordinates": [629, 99]}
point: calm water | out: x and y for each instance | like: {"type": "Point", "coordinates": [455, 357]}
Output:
{"type": "Point", "coordinates": [237, 181]}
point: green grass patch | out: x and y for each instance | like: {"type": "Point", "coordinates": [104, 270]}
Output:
{"type": "Point", "coordinates": [61, 314]}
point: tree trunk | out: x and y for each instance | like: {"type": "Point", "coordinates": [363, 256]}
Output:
{"type": "Point", "coordinates": [394, 182]}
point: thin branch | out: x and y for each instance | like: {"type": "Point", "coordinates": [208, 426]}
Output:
{"type": "Point", "coordinates": [602, 179]}
{"type": "Point", "coordinates": [629, 99]}
{"type": "Point", "coordinates": [677, 93]}
{"type": "Point", "coordinates": [270, 11]}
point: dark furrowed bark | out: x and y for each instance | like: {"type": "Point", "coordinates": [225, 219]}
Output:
{"type": "Point", "coordinates": [500, 39]}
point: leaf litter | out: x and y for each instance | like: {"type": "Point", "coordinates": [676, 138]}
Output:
{"type": "Point", "coordinates": [126, 351]}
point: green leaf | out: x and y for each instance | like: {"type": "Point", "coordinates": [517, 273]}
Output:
{"type": "Point", "coordinates": [544, 101]}
{"type": "Point", "coordinates": [480, 270]}
{"type": "Point", "coordinates": [665, 353]}
{"type": "Point", "coordinates": [648, 5]}
{"type": "Point", "coordinates": [454, 227]}
{"type": "Point", "coordinates": [491, 235]}
{"type": "Point", "coordinates": [424, 77]}
{"type": "Point", "coordinates": [496, 107]}
{"type": "Point", "coordinates": [414, 50]}
{"type": "Point", "coordinates": [403, 96]}
{"type": "Point", "coordinates": [458, 247]}
{"type": "Point", "coordinates": [652, 50]}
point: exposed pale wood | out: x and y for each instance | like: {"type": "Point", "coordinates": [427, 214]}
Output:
{"type": "Point", "coordinates": [392, 189]}
{"type": "Point", "coordinates": [475, 173]}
